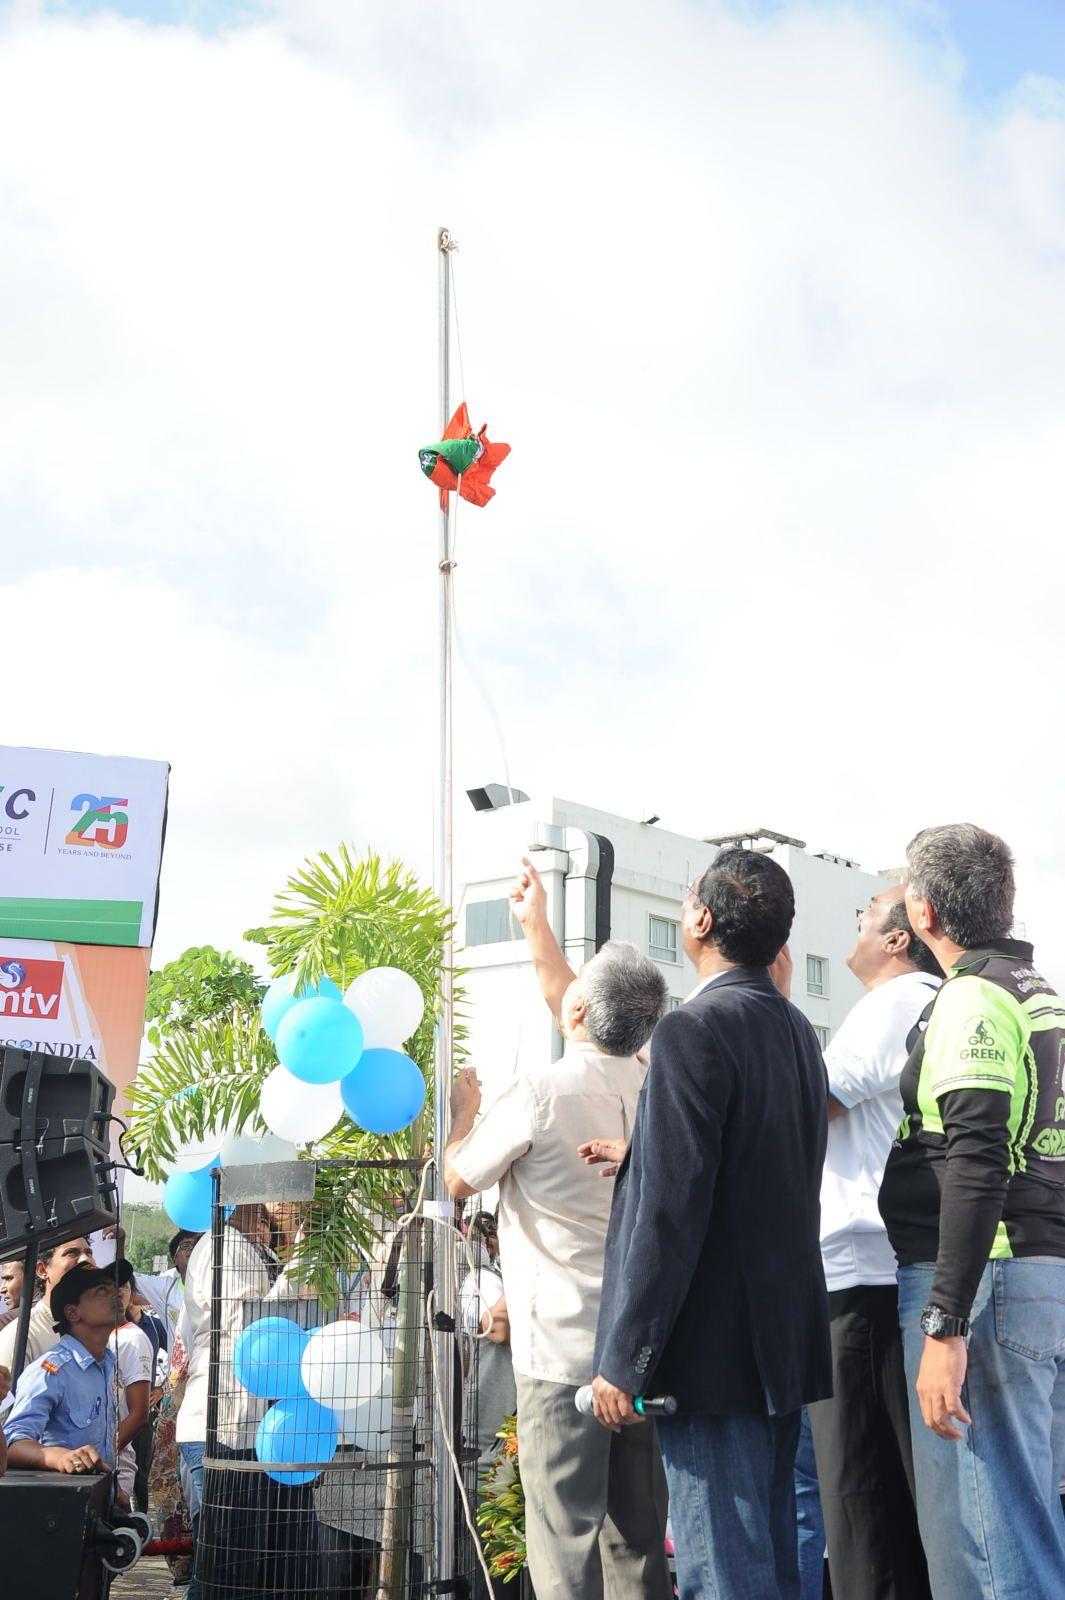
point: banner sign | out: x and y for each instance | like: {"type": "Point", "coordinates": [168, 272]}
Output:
{"type": "Point", "coordinates": [84, 1001]}
{"type": "Point", "coordinates": [81, 840]}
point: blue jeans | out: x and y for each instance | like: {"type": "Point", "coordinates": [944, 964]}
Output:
{"type": "Point", "coordinates": [192, 1488]}
{"type": "Point", "coordinates": [810, 1517]}
{"type": "Point", "coordinates": [988, 1505]}
{"type": "Point", "coordinates": [732, 1501]}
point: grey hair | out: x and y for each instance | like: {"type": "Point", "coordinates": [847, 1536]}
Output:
{"type": "Point", "coordinates": [917, 952]}
{"type": "Point", "coordinates": [966, 874]}
{"type": "Point", "coordinates": [624, 995]}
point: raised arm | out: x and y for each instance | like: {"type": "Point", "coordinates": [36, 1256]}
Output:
{"type": "Point", "coordinates": [528, 902]}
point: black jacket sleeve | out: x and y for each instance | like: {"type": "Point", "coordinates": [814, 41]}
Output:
{"type": "Point", "coordinates": [669, 1191]}
{"type": "Point", "coordinates": [976, 1177]}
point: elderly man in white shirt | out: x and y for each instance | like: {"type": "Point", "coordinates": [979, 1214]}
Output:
{"type": "Point", "coordinates": [595, 1501]}
{"type": "Point", "coordinates": [862, 1435]}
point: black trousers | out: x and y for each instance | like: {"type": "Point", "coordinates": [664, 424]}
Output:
{"type": "Point", "coordinates": [864, 1459]}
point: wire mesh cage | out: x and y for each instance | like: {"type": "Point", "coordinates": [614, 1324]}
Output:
{"type": "Point", "coordinates": [325, 1430]}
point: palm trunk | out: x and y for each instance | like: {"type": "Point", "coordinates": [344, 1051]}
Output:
{"type": "Point", "coordinates": [399, 1496]}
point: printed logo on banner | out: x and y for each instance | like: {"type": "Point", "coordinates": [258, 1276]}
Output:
{"type": "Point", "coordinates": [98, 823]}
{"type": "Point", "coordinates": [30, 988]}
{"type": "Point", "coordinates": [15, 807]}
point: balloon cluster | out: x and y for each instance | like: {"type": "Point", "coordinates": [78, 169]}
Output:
{"type": "Point", "coordinates": [338, 1054]}
{"type": "Point", "coordinates": [333, 1381]}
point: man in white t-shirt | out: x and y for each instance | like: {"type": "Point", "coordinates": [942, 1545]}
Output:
{"type": "Point", "coordinates": [862, 1435]}
{"type": "Point", "coordinates": [594, 1500]}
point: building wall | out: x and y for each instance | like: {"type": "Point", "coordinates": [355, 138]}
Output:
{"type": "Point", "coordinates": [509, 1028]}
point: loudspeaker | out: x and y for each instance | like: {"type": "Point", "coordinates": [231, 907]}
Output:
{"type": "Point", "coordinates": [56, 1174]}
{"type": "Point", "coordinates": [55, 1096]}
{"type": "Point", "coordinates": [48, 1522]}
{"type": "Point", "coordinates": [55, 1190]}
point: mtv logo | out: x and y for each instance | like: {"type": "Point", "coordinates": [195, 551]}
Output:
{"type": "Point", "coordinates": [30, 988]}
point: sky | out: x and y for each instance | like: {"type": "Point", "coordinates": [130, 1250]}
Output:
{"type": "Point", "coordinates": [767, 299]}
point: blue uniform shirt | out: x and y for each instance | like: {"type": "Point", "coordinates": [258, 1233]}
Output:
{"type": "Point", "coordinates": [67, 1398]}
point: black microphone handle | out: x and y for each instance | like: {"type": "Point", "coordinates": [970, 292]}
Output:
{"type": "Point", "coordinates": [657, 1406]}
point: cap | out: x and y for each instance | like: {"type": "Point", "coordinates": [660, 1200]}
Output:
{"type": "Point", "coordinates": [70, 1288]}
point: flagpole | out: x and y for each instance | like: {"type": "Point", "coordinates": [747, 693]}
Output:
{"type": "Point", "coordinates": [444, 1258]}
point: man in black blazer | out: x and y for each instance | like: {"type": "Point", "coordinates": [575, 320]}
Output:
{"type": "Point", "coordinates": [714, 1290]}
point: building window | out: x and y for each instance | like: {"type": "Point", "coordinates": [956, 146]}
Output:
{"type": "Point", "coordinates": [662, 939]}
{"type": "Point", "coordinates": [823, 1035]}
{"type": "Point", "coordinates": [490, 922]}
{"type": "Point", "coordinates": [817, 975]}
{"type": "Point", "coordinates": [672, 1003]}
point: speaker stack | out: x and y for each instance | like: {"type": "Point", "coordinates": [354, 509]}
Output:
{"type": "Point", "coordinates": [56, 1172]}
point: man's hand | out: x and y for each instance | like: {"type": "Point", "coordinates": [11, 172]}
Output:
{"type": "Point", "coordinates": [465, 1094]}
{"type": "Point", "coordinates": [5, 1382]}
{"type": "Point", "coordinates": [528, 897]}
{"type": "Point", "coordinates": [613, 1407]}
{"type": "Point", "coordinates": [596, 1151]}
{"type": "Point", "coordinates": [83, 1459]}
{"type": "Point", "coordinates": [939, 1385]}
{"type": "Point", "coordinates": [781, 970]}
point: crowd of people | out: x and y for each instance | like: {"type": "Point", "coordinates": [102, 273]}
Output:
{"type": "Point", "coordinates": [845, 1267]}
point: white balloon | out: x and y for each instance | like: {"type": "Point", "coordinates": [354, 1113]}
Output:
{"type": "Point", "coordinates": [344, 1366]}
{"type": "Point", "coordinates": [299, 1111]}
{"type": "Point", "coordinates": [194, 1154]}
{"type": "Point", "coordinates": [388, 1003]}
{"type": "Point", "coordinates": [369, 1426]}
{"type": "Point", "coordinates": [252, 1149]}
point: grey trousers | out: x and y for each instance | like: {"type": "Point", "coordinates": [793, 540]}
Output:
{"type": "Point", "coordinates": [595, 1501]}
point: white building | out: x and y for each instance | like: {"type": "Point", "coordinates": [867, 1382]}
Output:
{"type": "Point", "coordinates": [612, 877]}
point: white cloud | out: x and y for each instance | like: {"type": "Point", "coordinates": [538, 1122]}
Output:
{"type": "Point", "coordinates": [772, 322]}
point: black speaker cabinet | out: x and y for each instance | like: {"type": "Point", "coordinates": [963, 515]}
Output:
{"type": "Point", "coordinates": [52, 1097]}
{"type": "Point", "coordinates": [55, 1190]}
{"type": "Point", "coordinates": [56, 1177]}
{"type": "Point", "coordinates": [47, 1520]}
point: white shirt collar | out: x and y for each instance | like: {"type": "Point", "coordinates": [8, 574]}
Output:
{"type": "Point", "coordinates": [699, 987]}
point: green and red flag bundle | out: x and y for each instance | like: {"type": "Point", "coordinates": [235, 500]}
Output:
{"type": "Point", "coordinates": [463, 460]}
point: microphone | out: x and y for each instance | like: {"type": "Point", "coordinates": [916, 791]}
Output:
{"type": "Point", "coordinates": [660, 1406]}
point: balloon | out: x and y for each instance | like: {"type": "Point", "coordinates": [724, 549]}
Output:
{"type": "Point", "coordinates": [187, 1199]}
{"type": "Point", "coordinates": [254, 1149]}
{"type": "Point", "coordinates": [281, 997]}
{"type": "Point", "coordinates": [344, 1366]}
{"type": "Point", "coordinates": [389, 1004]}
{"type": "Point", "coordinates": [267, 1356]}
{"type": "Point", "coordinates": [319, 1041]}
{"type": "Point", "coordinates": [195, 1154]}
{"type": "Point", "coordinates": [385, 1092]}
{"type": "Point", "coordinates": [300, 1111]}
{"type": "Point", "coordinates": [296, 1430]}
{"type": "Point", "coordinates": [369, 1426]}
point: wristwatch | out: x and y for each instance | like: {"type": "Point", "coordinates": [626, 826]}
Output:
{"type": "Point", "coordinates": [939, 1324]}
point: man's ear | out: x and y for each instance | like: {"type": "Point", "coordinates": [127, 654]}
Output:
{"type": "Point", "coordinates": [703, 922]}
{"type": "Point", "coordinates": [578, 1010]}
{"type": "Point", "coordinates": [925, 917]}
{"type": "Point", "coordinates": [897, 942]}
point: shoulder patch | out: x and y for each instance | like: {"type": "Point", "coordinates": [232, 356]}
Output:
{"type": "Point", "coordinates": [49, 1366]}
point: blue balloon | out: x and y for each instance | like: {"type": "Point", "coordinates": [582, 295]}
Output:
{"type": "Point", "coordinates": [281, 997]}
{"type": "Point", "coordinates": [297, 1430]}
{"type": "Point", "coordinates": [267, 1356]}
{"type": "Point", "coordinates": [319, 1041]}
{"type": "Point", "coordinates": [385, 1092]}
{"type": "Point", "coordinates": [187, 1199]}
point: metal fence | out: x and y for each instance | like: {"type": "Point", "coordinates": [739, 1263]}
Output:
{"type": "Point", "coordinates": [320, 1477]}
